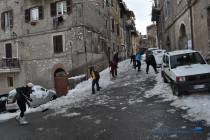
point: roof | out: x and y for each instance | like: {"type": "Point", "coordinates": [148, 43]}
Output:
{"type": "Point", "coordinates": [181, 52]}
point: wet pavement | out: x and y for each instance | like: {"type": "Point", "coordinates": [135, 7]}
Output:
{"type": "Point", "coordinates": [119, 112]}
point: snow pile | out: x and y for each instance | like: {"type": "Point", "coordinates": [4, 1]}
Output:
{"type": "Point", "coordinates": [161, 90]}
{"type": "Point", "coordinates": [81, 92]}
{"type": "Point", "coordinates": [197, 106]}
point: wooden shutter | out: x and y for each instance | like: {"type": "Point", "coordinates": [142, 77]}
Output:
{"type": "Point", "coordinates": [58, 44]}
{"type": "Point", "coordinates": [41, 13]}
{"type": "Point", "coordinates": [11, 18]}
{"type": "Point", "coordinates": [27, 15]}
{"type": "Point", "coordinates": [8, 48]}
{"type": "Point", "coordinates": [53, 9]}
{"type": "Point", "coordinates": [69, 5]}
{"type": "Point", "coordinates": [3, 21]}
{"type": "Point", "coordinates": [112, 25]}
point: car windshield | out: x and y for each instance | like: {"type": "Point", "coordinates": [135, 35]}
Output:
{"type": "Point", "coordinates": [186, 59]}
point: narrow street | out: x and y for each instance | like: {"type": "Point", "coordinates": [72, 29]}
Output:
{"type": "Point", "coordinates": [119, 112]}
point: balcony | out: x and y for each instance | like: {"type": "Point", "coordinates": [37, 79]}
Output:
{"type": "Point", "coordinates": [8, 65]}
{"type": "Point", "coordinates": [156, 13]}
{"type": "Point", "coordinates": [131, 23]}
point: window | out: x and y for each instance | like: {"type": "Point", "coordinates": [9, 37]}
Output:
{"type": "Point", "coordinates": [166, 8]}
{"type": "Point", "coordinates": [34, 14]}
{"type": "Point", "coordinates": [58, 43]}
{"type": "Point", "coordinates": [186, 59]}
{"type": "Point", "coordinates": [7, 20]}
{"type": "Point", "coordinates": [61, 7]}
{"type": "Point", "coordinates": [10, 81]}
{"type": "Point", "coordinates": [112, 25]}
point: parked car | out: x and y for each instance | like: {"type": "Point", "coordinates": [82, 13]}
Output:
{"type": "Point", "coordinates": [158, 54]}
{"type": "Point", "coordinates": [187, 71]}
{"type": "Point", "coordinates": [39, 96]}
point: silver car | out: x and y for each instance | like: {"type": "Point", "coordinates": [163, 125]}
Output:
{"type": "Point", "coordinates": [39, 96]}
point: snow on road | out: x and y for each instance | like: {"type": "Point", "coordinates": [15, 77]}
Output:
{"type": "Point", "coordinates": [81, 92]}
{"type": "Point", "coordinates": [197, 106]}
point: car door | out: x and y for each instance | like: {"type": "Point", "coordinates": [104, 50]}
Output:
{"type": "Point", "coordinates": [166, 66]}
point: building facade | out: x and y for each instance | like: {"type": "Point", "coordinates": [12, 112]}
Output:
{"type": "Point", "coordinates": [47, 41]}
{"type": "Point", "coordinates": [152, 36]}
{"type": "Point", "coordinates": [183, 24]}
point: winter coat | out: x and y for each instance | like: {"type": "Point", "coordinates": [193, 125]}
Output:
{"type": "Point", "coordinates": [23, 94]}
{"type": "Point", "coordinates": [138, 56]}
{"type": "Point", "coordinates": [116, 58]}
{"type": "Point", "coordinates": [94, 74]}
{"type": "Point", "coordinates": [113, 65]}
{"type": "Point", "coordinates": [150, 60]}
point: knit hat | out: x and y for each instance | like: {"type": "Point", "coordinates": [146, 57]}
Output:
{"type": "Point", "coordinates": [30, 84]}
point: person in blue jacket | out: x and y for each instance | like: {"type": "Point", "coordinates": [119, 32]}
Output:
{"type": "Point", "coordinates": [138, 60]}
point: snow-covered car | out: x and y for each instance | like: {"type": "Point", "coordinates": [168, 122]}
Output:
{"type": "Point", "coordinates": [158, 54]}
{"type": "Point", "coordinates": [39, 96]}
{"type": "Point", "coordinates": [187, 72]}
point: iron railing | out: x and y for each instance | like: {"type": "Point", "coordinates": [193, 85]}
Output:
{"type": "Point", "coordinates": [9, 63]}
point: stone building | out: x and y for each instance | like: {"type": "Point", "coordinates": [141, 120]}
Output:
{"type": "Point", "coordinates": [183, 24]}
{"type": "Point", "coordinates": [45, 41]}
{"type": "Point", "coordinates": [152, 36]}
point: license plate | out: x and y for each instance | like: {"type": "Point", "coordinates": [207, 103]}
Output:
{"type": "Point", "coordinates": [199, 86]}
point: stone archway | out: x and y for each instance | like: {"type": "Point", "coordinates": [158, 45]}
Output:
{"type": "Point", "coordinates": [60, 81]}
{"type": "Point", "coordinates": [182, 38]}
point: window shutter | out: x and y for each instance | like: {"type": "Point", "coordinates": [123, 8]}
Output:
{"type": "Point", "coordinates": [3, 21]}
{"type": "Point", "coordinates": [69, 5]}
{"type": "Point", "coordinates": [11, 18]}
{"type": "Point", "coordinates": [41, 13]}
{"type": "Point", "coordinates": [53, 9]}
{"type": "Point", "coordinates": [27, 15]}
{"type": "Point", "coordinates": [60, 43]}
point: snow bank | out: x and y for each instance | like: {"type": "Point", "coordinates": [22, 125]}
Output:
{"type": "Point", "coordinates": [81, 92]}
{"type": "Point", "coordinates": [197, 106]}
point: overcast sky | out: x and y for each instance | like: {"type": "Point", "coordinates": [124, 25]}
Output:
{"type": "Point", "coordinates": [142, 10]}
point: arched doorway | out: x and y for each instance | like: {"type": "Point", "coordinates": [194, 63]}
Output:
{"type": "Point", "coordinates": [61, 82]}
{"type": "Point", "coordinates": [182, 38]}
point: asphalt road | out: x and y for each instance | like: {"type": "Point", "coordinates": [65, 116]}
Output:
{"type": "Point", "coordinates": [119, 112]}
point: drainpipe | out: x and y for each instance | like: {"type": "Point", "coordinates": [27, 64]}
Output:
{"type": "Point", "coordinates": [191, 23]}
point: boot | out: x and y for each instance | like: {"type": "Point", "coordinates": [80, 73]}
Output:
{"type": "Point", "coordinates": [23, 121]}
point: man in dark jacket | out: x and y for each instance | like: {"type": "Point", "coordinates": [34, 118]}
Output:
{"type": "Point", "coordinates": [23, 98]}
{"type": "Point", "coordinates": [150, 60]}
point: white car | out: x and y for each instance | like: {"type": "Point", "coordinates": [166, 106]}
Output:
{"type": "Point", "coordinates": [39, 96]}
{"type": "Point", "coordinates": [158, 54]}
{"type": "Point", "coordinates": [187, 71]}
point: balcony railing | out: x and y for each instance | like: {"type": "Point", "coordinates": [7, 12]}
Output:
{"type": "Point", "coordinates": [9, 63]}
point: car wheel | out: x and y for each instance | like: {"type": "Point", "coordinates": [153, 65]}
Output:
{"type": "Point", "coordinates": [175, 90]}
{"type": "Point", "coordinates": [53, 97]}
